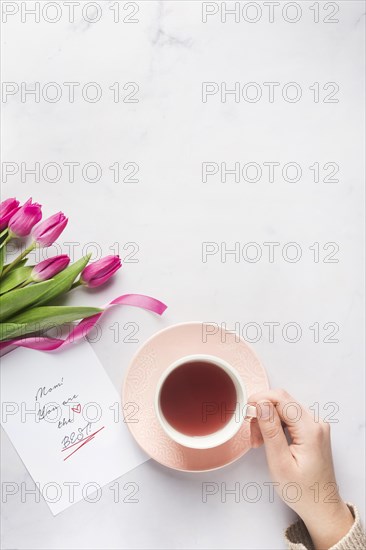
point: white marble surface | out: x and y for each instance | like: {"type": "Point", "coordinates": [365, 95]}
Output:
{"type": "Point", "coordinates": [170, 212]}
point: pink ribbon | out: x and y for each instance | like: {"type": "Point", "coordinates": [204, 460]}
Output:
{"type": "Point", "coordinates": [44, 343]}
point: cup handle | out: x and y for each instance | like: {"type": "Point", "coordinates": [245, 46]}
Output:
{"type": "Point", "coordinates": [251, 412]}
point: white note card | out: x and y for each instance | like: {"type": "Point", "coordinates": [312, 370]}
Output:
{"type": "Point", "coordinates": [65, 419]}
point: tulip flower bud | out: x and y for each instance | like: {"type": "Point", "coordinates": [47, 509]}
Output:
{"type": "Point", "coordinates": [7, 209]}
{"type": "Point", "coordinates": [50, 229]}
{"type": "Point", "coordinates": [22, 222]}
{"type": "Point", "coordinates": [99, 272]}
{"type": "Point", "coordinates": [49, 268]}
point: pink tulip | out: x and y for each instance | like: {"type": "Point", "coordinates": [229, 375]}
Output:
{"type": "Point", "coordinates": [50, 267]}
{"type": "Point", "coordinates": [50, 229]}
{"type": "Point", "coordinates": [22, 222]}
{"type": "Point", "coordinates": [100, 271]}
{"type": "Point", "coordinates": [7, 210]}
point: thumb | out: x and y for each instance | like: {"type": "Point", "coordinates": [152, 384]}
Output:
{"type": "Point", "coordinates": [274, 438]}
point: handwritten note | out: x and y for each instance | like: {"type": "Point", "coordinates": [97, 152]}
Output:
{"type": "Point", "coordinates": [64, 417]}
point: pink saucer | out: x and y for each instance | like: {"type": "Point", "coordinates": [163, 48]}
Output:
{"type": "Point", "coordinates": [160, 351]}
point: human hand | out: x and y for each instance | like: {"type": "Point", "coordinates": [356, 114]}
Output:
{"type": "Point", "coordinates": [302, 469]}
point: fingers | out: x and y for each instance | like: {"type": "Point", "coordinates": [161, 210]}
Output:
{"type": "Point", "coordinates": [256, 439]}
{"type": "Point", "coordinates": [293, 415]}
{"type": "Point", "coordinates": [274, 438]}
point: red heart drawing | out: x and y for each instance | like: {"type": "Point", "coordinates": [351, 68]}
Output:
{"type": "Point", "coordinates": [76, 409]}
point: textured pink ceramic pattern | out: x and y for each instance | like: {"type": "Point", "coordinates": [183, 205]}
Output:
{"type": "Point", "coordinates": [146, 367]}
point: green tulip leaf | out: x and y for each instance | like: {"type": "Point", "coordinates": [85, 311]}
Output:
{"type": "Point", "coordinates": [44, 318]}
{"type": "Point", "coordinates": [19, 264]}
{"type": "Point", "coordinates": [54, 313]}
{"type": "Point", "coordinates": [8, 330]}
{"type": "Point", "coordinates": [63, 281]}
{"type": "Point", "coordinates": [14, 278]}
{"type": "Point", "coordinates": [21, 298]}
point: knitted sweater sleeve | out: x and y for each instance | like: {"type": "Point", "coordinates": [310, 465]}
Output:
{"type": "Point", "coordinates": [298, 538]}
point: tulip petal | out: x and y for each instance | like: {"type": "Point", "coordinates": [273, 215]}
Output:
{"type": "Point", "coordinates": [50, 229]}
{"type": "Point", "coordinates": [22, 222]}
{"type": "Point", "coordinates": [97, 273]}
{"type": "Point", "coordinates": [7, 209]}
{"type": "Point", "coordinates": [50, 267]}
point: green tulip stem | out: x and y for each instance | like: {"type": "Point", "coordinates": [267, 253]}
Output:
{"type": "Point", "coordinates": [26, 282]}
{"type": "Point", "coordinates": [5, 241]}
{"type": "Point", "coordinates": [31, 247]}
{"type": "Point", "coordinates": [76, 284]}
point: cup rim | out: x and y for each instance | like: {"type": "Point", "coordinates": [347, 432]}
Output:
{"type": "Point", "coordinates": [222, 435]}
